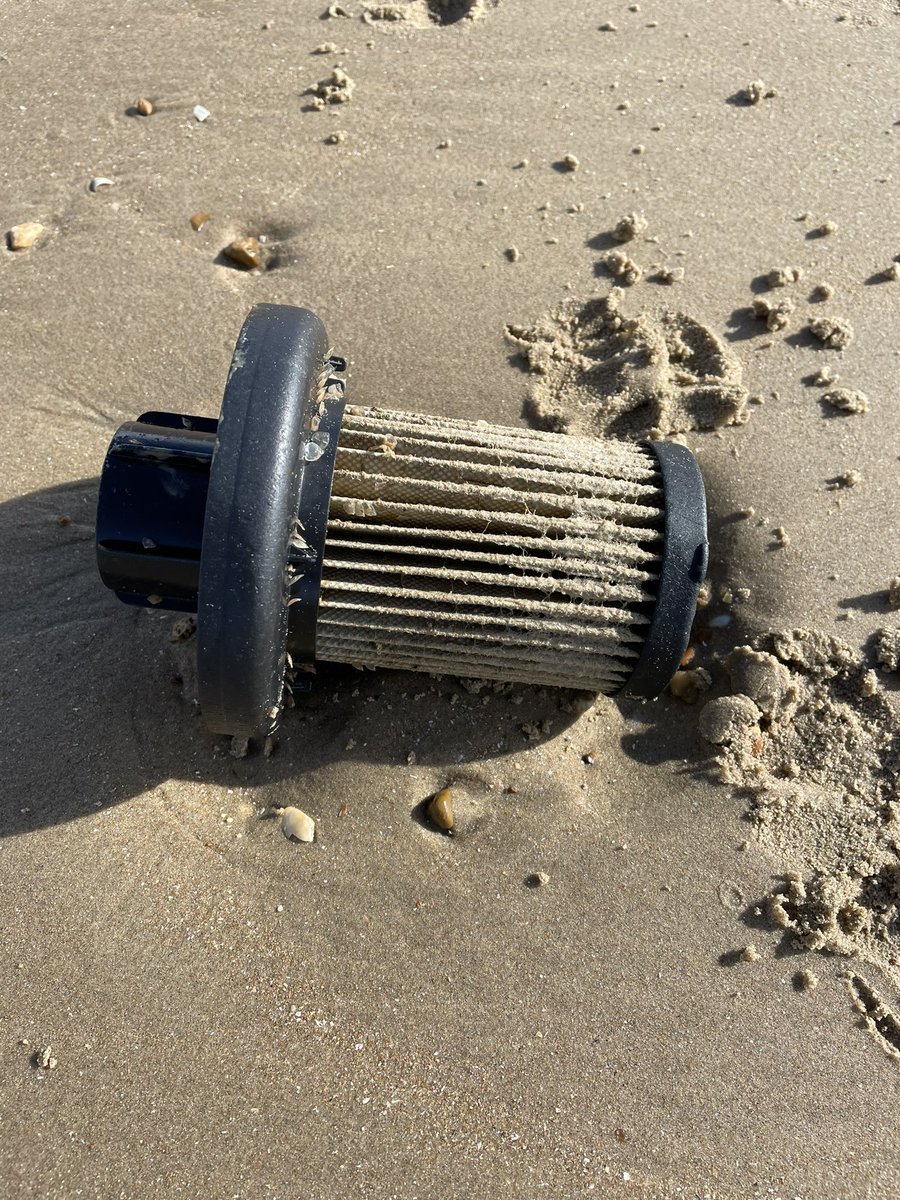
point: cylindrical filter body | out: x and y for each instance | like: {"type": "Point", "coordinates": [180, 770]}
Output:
{"type": "Point", "coordinates": [300, 529]}
{"type": "Point", "coordinates": [500, 553]}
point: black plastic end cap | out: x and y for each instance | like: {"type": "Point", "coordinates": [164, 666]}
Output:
{"type": "Point", "coordinates": [268, 417]}
{"type": "Point", "coordinates": [685, 557]}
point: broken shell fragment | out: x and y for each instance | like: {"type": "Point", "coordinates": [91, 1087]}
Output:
{"type": "Point", "coordinates": [246, 252]}
{"type": "Point", "coordinates": [298, 825]}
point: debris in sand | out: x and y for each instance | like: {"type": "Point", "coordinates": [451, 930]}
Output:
{"type": "Point", "coordinates": [688, 685]}
{"type": "Point", "coordinates": [776, 314]}
{"type": "Point", "coordinates": [640, 148]}
{"type": "Point", "coordinates": [337, 10]}
{"type": "Point", "coordinates": [781, 536]}
{"type": "Point", "coordinates": [183, 629]}
{"type": "Point", "coordinates": [445, 144]}
{"type": "Point", "coordinates": [327, 48]}
{"type": "Point", "coordinates": [868, 685]}
{"type": "Point", "coordinates": [822, 291]}
{"type": "Point", "coordinates": [749, 954]}
{"type": "Point", "coordinates": [622, 267]}
{"type": "Point", "coordinates": [570, 162]}
{"type": "Point", "coordinates": [144, 106]}
{"type": "Point", "coordinates": [824, 376]}
{"type": "Point", "coordinates": [600, 373]}
{"type": "Point", "coordinates": [608, 27]}
{"type": "Point", "coordinates": [45, 1060]}
{"type": "Point", "coordinates": [200, 113]}
{"type": "Point", "coordinates": [246, 252]}
{"type": "Point", "coordinates": [783, 276]}
{"type": "Point", "coordinates": [337, 88]}
{"type": "Point", "coordinates": [297, 825]}
{"type": "Point", "coordinates": [629, 227]}
{"type": "Point", "coordinates": [199, 219]}
{"type": "Point", "coordinates": [336, 137]}
{"type": "Point", "coordinates": [849, 479]}
{"type": "Point", "coordinates": [894, 592]}
{"type": "Point", "coordinates": [887, 648]}
{"type": "Point", "coordinates": [239, 747]}
{"type": "Point", "coordinates": [100, 181]}
{"type": "Point", "coordinates": [440, 810]}
{"type": "Point", "coordinates": [537, 879]}
{"type": "Point", "coordinates": [668, 275]}
{"type": "Point", "coordinates": [835, 821]}
{"type": "Point", "coordinates": [23, 237]}
{"type": "Point", "coordinates": [823, 230]}
{"type": "Point", "coordinates": [806, 980]}
{"type": "Point", "coordinates": [847, 400]}
{"type": "Point", "coordinates": [832, 332]}
{"type": "Point", "coordinates": [756, 91]}
{"type": "Point", "coordinates": [513, 253]}
{"type": "Point", "coordinates": [891, 273]}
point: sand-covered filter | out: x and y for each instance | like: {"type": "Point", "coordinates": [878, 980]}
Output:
{"type": "Point", "coordinates": [495, 552]}
{"type": "Point", "coordinates": [300, 529]}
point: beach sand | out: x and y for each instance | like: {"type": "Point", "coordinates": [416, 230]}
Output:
{"type": "Point", "coordinates": [660, 954]}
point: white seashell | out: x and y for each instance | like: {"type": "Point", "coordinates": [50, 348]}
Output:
{"type": "Point", "coordinates": [295, 823]}
{"type": "Point", "coordinates": [200, 113]}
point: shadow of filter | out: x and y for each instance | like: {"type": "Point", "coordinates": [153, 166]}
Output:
{"type": "Point", "coordinates": [96, 706]}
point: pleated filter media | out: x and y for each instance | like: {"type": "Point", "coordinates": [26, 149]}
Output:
{"type": "Point", "coordinates": [499, 553]}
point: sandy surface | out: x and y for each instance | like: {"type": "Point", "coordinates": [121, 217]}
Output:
{"type": "Point", "coordinates": [390, 1012]}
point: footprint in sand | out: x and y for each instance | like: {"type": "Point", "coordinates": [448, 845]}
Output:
{"type": "Point", "coordinates": [603, 374]}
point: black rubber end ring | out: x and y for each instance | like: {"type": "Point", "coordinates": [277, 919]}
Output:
{"type": "Point", "coordinates": [685, 557]}
{"type": "Point", "coordinates": [251, 511]}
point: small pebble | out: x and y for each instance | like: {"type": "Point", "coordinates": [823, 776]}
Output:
{"type": "Point", "coordinates": [440, 810]}
{"type": "Point", "coordinates": [513, 253]}
{"type": "Point", "coordinates": [781, 536]}
{"type": "Point", "coordinates": [23, 237]}
{"type": "Point", "coordinates": [144, 106]}
{"type": "Point", "coordinates": [570, 162]}
{"type": "Point", "coordinates": [894, 592]}
{"type": "Point", "coordinates": [200, 113]}
{"type": "Point", "coordinates": [822, 291]}
{"type": "Point", "coordinates": [326, 48]}
{"type": "Point", "coordinates": [199, 219]}
{"type": "Point", "coordinates": [892, 273]}
{"type": "Point", "coordinates": [609, 27]}
{"type": "Point", "coordinates": [245, 251]}
{"type": "Point", "coordinates": [100, 181]}
{"type": "Point", "coordinates": [749, 954]}
{"type": "Point", "coordinates": [334, 139]}
{"type": "Point", "coordinates": [826, 228]}
{"type": "Point", "coordinates": [298, 825]}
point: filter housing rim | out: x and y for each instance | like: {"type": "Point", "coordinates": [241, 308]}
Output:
{"type": "Point", "coordinates": [685, 557]}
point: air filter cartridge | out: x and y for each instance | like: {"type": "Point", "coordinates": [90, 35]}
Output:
{"type": "Point", "coordinates": [299, 527]}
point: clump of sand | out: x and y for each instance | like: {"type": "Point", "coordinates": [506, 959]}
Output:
{"type": "Point", "coordinates": [600, 373]}
{"type": "Point", "coordinates": [813, 744]}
